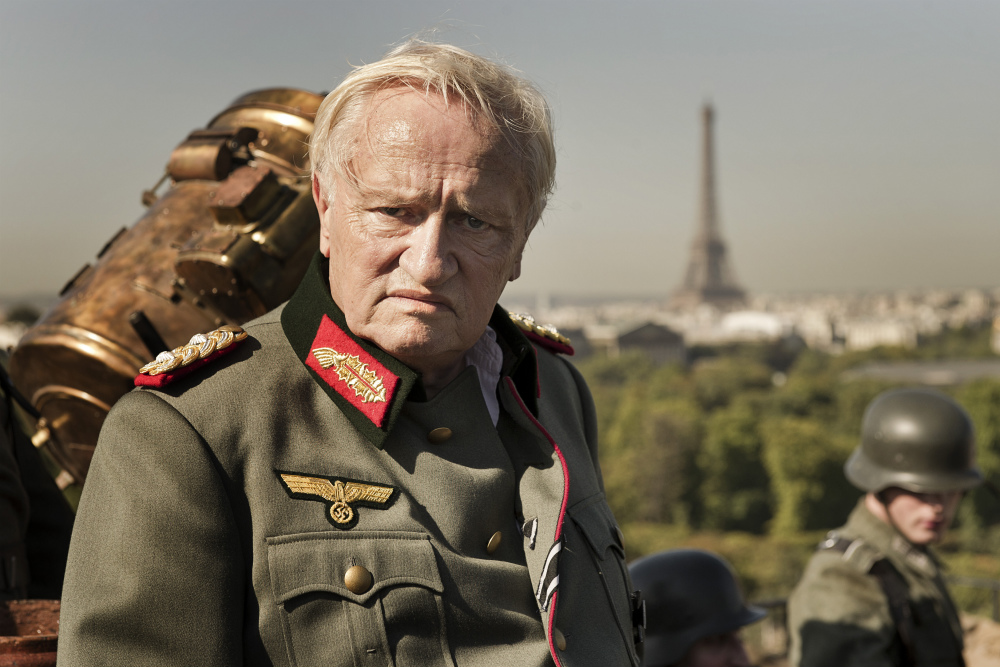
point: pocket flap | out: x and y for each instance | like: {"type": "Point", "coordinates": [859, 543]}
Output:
{"type": "Point", "coordinates": [315, 562]}
{"type": "Point", "coordinates": [594, 519]}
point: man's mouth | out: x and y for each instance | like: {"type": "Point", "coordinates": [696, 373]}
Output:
{"type": "Point", "coordinates": [421, 301]}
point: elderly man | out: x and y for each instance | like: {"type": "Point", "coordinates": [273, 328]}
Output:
{"type": "Point", "coordinates": [874, 594]}
{"type": "Point", "coordinates": [388, 469]}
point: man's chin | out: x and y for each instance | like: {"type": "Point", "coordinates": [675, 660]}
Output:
{"type": "Point", "coordinates": [415, 344]}
{"type": "Point", "coordinates": [925, 537]}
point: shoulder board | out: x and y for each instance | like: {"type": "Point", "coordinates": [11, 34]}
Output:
{"type": "Point", "coordinates": [857, 552]}
{"type": "Point", "coordinates": [544, 335]}
{"type": "Point", "coordinates": [180, 361]}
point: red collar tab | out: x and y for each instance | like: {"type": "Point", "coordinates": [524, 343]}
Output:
{"type": "Point", "coordinates": [358, 377]}
{"type": "Point", "coordinates": [545, 336]}
{"type": "Point", "coordinates": [201, 350]}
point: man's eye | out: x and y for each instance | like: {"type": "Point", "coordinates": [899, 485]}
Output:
{"type": "Point", "coordinates": [474, 223]}
{"type": "Point", "coordinates": [390, 211]}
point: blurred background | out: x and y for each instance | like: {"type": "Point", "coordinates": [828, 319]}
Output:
{"type": "Point", "coordinates": [732, 328]}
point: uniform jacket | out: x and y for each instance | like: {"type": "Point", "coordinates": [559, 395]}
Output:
{"type": "Point", "coordinates": [197, 543]}
{"type": "Point", "coordinates": [839, 614]}
{"type": "Point", "coordinates": [35, 519]}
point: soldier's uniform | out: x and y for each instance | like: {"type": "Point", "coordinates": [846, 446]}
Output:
{"type": "Point", "coordinates": [298, 502]}
{"type": "Point", "coordinates": [35, 519]}
{"type": "Point", "coordinates": [869, 596]}
{"type": "Point", "coordinates": [13, 510]}
{"type": "Point", "coordinates": [840, 614]}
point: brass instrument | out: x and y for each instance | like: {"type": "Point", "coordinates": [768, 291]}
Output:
{"type": "Point", "coordinates": [229, 240]}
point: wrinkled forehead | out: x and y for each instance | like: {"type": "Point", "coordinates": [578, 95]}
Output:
{"type": "Point", "coordinates": [401, 118]}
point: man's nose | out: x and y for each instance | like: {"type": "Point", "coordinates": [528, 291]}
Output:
{"type": "Point", "coordinates": [428, 258]}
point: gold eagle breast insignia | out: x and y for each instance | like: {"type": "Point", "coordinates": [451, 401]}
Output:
{"type": "Point", "coordinates": [366, 383]}
{"type": "Point", "coordinates": [340, 493]}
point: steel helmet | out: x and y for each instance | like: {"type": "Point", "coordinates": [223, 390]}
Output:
{"type": "Point", "coordinates": [690, 594]}
{"type": "Point", "coordinates": [917, 439]}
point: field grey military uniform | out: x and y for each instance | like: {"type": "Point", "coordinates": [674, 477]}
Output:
{"type": "Point", "coordinates": [298, 502]}
{"type": "Point", "coordinates": [35, 519]}
{"type": "Point", "coordinates": [840, 615]}
{"type": "Point", "coordinates": [13, 510]}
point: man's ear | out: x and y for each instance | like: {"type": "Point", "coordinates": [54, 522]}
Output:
{"type": "Point", "coordinates": [323, 208]}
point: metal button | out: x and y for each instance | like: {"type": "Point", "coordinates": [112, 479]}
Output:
{"type": "Point", "coordinates": [358, 580]}
{"type": "Point", "coordinates": [439, 435]}
{"type": "Point", "coordinates": [494, 542]}
{"type": "Point", "coordinates": [560, 639]}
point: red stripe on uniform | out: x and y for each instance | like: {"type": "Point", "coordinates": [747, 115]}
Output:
{"type": "Point", "coordinates": [562, 508]}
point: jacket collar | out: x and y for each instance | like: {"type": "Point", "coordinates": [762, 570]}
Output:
{"type": "Point", "coordinates": [889, 541]}
{"type": "Point", "coordinates": [369, 385]}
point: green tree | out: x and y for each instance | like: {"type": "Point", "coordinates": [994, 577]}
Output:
{"type": "Point", "coordinates": [647, 458]}
{"type": "Point", "coordinates": [805, 461]}
{"type": "Point", "coordinates": [982, 400]}
{"type": "Point", "coordinates": [717, 381]}
{"type": "Point", "coordinates": [735, 490]}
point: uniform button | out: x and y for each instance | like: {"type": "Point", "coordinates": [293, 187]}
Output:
{"type": "Point", "coordinates": [560, 639]}
{"type": "Point", "coordinates": [494, 542]}
{"type": "Point", "coordinates": [358, 580]}
{"type": "Point", "coordinates": [439, 435]}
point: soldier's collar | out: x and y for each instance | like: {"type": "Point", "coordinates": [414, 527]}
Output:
{"type": "Point", "coordinates": [369, 385]}
{"type": "Point", "coordinates": [887, 539]}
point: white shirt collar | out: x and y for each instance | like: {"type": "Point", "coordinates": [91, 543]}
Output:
{"type": "Point", "coordinates": [487, 357]}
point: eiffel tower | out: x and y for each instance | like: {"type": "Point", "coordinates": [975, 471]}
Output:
{"type": "Point", "coordinates": [709, 278]}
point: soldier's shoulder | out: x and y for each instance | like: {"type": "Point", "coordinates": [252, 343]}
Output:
{"type": "Point", "coordinates": [544, 336]}
{"type": "Point", "coordinates": [837, 580]}
{"type": "Point", "coordinates": [848, 550]}
{"type": "Point", "coordinates": [223, 354]}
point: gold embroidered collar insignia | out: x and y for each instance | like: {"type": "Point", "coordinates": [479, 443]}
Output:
{"type": "Point", "coordinates": [355, 373]}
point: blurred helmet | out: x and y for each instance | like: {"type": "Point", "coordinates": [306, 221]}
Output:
{"type": "Point", "coordinates": [917, 439]}
{"type": "Point", "coordinates": [690, 594]}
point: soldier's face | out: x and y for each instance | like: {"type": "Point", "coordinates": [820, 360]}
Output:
{"type": "Point", "coordinates": [422, 241]}
{"type": "Point", "coordinates": [922, 518]}
{"type": "Point", "coordinates": [725, 650]}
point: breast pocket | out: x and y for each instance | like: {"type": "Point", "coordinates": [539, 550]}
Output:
{"type": "Point", "coordinates": [387, 610]}
{"type": "Point", "coordinates": [593, 519]}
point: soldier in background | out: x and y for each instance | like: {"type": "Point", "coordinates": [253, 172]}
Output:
{"type": "Point", "coordinates": [35, 519]}
{"type": "Point", "coordinates": [694, 610]}
{"type": "Point", "coordinates": [873, 594]}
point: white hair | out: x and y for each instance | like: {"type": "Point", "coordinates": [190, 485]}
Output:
{"type": "Point", "coordinates": [499, 98]}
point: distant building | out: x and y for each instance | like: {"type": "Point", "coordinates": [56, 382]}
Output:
{"type": "Point", "coordinates": [866, 334]}
{"type": "Point", "coordinates": [661, 344]}
{"type": "Point", "coordinates": [709, 278]}
{"type": "Point", "coordinates": [581, 346]}
{"type": "Point", "coordinates": [10, 334]}
{"type": "Point", "coordinates": [753, 325]}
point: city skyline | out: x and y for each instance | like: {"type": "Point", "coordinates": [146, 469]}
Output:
{"type": "Point", "coordinates": [856, 143]}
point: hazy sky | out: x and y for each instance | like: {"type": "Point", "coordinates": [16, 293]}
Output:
{"type": "Point", "coordinates": [858, 143]}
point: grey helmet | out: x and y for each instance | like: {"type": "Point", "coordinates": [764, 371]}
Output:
{"type": "Point", "coordinates": [917, 439]}
{"type": "Point", "coordinates": [690, 594]}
